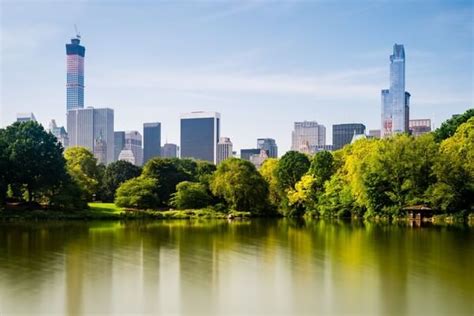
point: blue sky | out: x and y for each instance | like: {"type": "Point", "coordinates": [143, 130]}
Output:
{"type": "Point", "coordinates": [261, 64]}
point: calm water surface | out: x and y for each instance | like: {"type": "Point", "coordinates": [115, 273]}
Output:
{"type": "Point", "coordinates": [259, 267]}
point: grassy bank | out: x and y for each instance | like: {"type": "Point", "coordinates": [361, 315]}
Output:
{"type": "Point", "coordinates": [109, 211]}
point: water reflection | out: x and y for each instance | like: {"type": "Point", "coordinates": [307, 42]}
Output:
{"type": "Point", "coordinates": [259, 267]}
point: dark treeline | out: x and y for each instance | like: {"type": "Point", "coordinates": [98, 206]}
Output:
{"type": "Point", "coordinates": [368, 178]}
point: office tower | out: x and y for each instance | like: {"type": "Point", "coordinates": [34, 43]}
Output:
{"type": "Point", "coordinates": [93, 129]}
{"type": "Point", "coordinates": [133, 143]}
{"type": "Point", "coordinates": [169, 151]}
{"type": "Point", "coordinates": [119, 143]}
{"type": "Point", "coordinates": [25, 117]}
{"type": "Point", "coordinates": [199, 135]}
{"type": "Point", "coordinates": [127, 155]}
{"type": "Point", "coordinates": [395, 100]}
{"type": "Point", "coordinates": [307, 135]}
{"type": "Point", "coordinates": [258, 160]}
{"type": "Point", "coordinates": [374, 133]}
{"type": "Point", "coordinates": [75, 74]}
{"type": "Point", "coordinates": [419, 126]}
{"type": "Point", "coordinates": [151, 141]}
{"type": "Point", "coordinates": [59, 132]}
{"type": "Point", "coordinates": [342, 134]}
{"type": "Point", "coordinates": [246, 153]}
{"type": "Point", "coordinates": [224, 149]}
{"type": "Point", "coordinates": [269, 145]}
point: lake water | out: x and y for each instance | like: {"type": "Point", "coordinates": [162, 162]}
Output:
{"type": "Point", "coordinates": [258, 267]}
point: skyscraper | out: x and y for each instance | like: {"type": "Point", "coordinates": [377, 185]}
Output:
{"type": "Point", "coordinates": [25, 117]}
{"type": "Point", "coordinates": [307, 136]}
{"type": "Point", "coordinates": [93, 129]}
{"type": "Point", "coordinates": [224, 149]}
{"type": "Point", "coordinates": [119, 143]}
{"type": "Point", "coordinates": [246, 153]}
{"type": "Point", "coordinates": [75, 74]}
{"type": "Point", "coordinates": [169, 150]}
{"type": "Point", "coordinates": [199, 135]}
{"type": "Point", "coordinates": [395, 101]}
{"type": "Point", "coordinates": [59, 132]}
{"type": "Point", "coordinates": [269, 145]}
{"type": "Point", "coordinates": [342, 134]}
{"type": "Point", "coordinates": [133, 144]}
{"type": "Point", "coordinates": [151, 141]}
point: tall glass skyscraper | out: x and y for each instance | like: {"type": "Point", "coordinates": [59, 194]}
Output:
{"type": "Point", "coordinates": [151, 141]}
{"type": "Point", "coordinates": [395, 101]}
{"type": "Point", "coordinates": [75, 75]}
{"type": "Point", "coordinates": [199, 135]}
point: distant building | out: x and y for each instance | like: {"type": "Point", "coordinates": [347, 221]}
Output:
{"type": "Point", "coordinates": [356, 137]}
{"type": "Point", "coordinates": [59, 132]}
{"type": "Point", "coordinates": [169, 151]}
{"type": "Point", "coordinates": [246, 153]}
{"type": "Point", "coordinates": [25, 117]}
{"type": "Point", "coordinates": [100, 150]}
{"type": "Point", "coordinates": [419, 126]}
{"type": "Point", "coordinates": [127, 155]}
{"type": "Point", "coordinates": [133, 142]}
{"type": "Point", "coordinates": [224, 149]}
{"type": "Point", "coordinates": [319, 148]}
{"type": "Point", "coordinates": [75, 75]}
{"type": "Point", "coordinates": [269, 145]}
{"type": "Point", "coordinates": [119, 143]}
{"type": "Point", "coordinates": [199, 135]}
{"type": "Point", "coordinates": [258, 160]}
{"type": "Point", "coordinates": [151, 141]}
{"type": "Point", "coordinates": [342, 134]}
{"type": "Point", "coordinates": [374, 133]}
{"type": "Point", "coordinates": [396, 101]}
{"type": "Point", "coordinates": [87, 126]}
{"type": "Point", "coordinates": [307, 135]}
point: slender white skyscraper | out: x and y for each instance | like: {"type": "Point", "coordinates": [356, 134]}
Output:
{"type": "Point", "coordinates": [395, 101]}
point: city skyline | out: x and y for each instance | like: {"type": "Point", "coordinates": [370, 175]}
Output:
{"type": "Point", "coordinates": [278, 95]}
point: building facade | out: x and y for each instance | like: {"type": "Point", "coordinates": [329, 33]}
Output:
{"type": "Point", "coordinates": [92, 128]}
{"type": "Point", "coordinates": [246, 153]}
{"type": "Point", "coordinates": [419, 126]}
{"type": "Point", "coordinates": [25, 117]}
{"type": "Point", "coordinates": [59, 132]}
{"type": "Point", "coordinates": [269, 145]}
{"type": "Point", "coordinates": [224, 149]}
{"type": "Point", "coordinates": [75, 75]}
{"type": "Point", "coordinates": [133, 142]}
{"type": "Point", "coordinates": [374, 133]}
{"type": "Point", "coordinates": [151, 141]}
{"type": "Point", "coordinates": [199, 135]}
{"type": "Point", "coordinates": [395, 100]}
{"type": "Point", "coordinates": [342, 134]}
{"type": "Point", "coordinates": [258, 160]}
{"type": "Point", "coordinates": [170, 151]}
{"type": "Point", "coordinates": [307, 135]}
{"type": "Point", "coordinates": [119, 143]}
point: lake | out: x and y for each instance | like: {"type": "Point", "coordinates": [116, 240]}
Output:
{"type": "Point", "coordinates": [216, 267]}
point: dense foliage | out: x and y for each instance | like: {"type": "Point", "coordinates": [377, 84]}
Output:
{"type": "Point", "coordinates": [138, 193]}
{"type": "Point", "coordinates": [448, 128]}
{"type": "Point", "coordinates": [191, 195]}
{"type": "Point", "coordinates": [115, 174]}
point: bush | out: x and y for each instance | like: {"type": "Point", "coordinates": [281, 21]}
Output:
{"type": "Point", "coordinates": [138, 193]}
{"type": "Point", "coordinates": [190, 195]}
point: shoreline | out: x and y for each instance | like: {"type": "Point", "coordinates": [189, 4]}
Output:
{"type": "Point", "coordinates": [108, 211]}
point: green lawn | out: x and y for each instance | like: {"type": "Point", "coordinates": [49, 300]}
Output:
{"type": "Point", "coordinates": [105, 208]}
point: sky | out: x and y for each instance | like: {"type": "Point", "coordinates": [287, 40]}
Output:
{"type": "Point", "coordinates": [262, 64]}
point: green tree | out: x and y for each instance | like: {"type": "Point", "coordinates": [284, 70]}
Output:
{"type": "Point", "coordinates": [454, 170]}
{"type": "Point", "coordinates": [82, 166]}
{"type": "Point", "coordinates": [303, 197]}
{"type": "Point", "coordinates": [322, 168]}
{"type": "Point", "coordinates": [449, 127]}
{"type": "Point", "coordinates": [34, 156]}
{"type": "Point", "coordinates": [115, 174]}
{"type": "Point", "coordinates": [241, 186]}
{"type": "Point", "coordinates": [138, 193]}
{"type": "Point", "coordinates": [168, 173]}
{"type": "Point", "coordinates": [268, 171]}
{"type": "Point", "coordinates": [4, 167]}
{"type": "Point", "coordinates": [291, 167]}
{"type": "Point", "coordinates": [190, 195]}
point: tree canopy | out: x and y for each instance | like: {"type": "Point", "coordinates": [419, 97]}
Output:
{"type": "Point", "coordinates": [449, 127]}
{"type": "Point", "coordinates": [82, 166]}
{"type": "Point", "coordinates": [115, 174]}
{"type": "Point", "coordinates": [138, 193]}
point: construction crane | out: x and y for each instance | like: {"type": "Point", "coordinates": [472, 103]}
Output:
{"type": "Point", "coordinates": [78, 35]}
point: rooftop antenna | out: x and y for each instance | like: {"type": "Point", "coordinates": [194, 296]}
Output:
{"type": "Point", "coordinates": [78, 35]}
